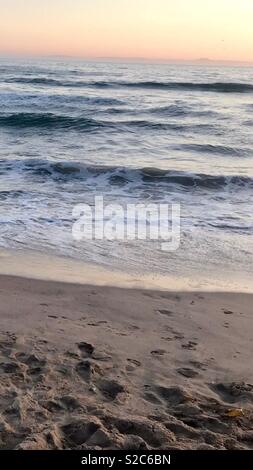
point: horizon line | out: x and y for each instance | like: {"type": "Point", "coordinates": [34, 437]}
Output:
{"type": "Point", "coordinates": [200, 60]}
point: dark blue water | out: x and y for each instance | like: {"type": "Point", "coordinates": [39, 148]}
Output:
{"type": "Point", "coordinates": [70, 130]}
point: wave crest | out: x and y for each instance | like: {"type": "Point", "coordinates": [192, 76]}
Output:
{"type": "Point", "coordinates": [215, 87]}
{"type": "Point", "coordinates": [123, 175]}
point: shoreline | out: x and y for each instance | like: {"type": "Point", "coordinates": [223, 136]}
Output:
{"type": "Point", "coordinates": [49, 267]}
{"type": "Point", "coordinates": [103, 367]}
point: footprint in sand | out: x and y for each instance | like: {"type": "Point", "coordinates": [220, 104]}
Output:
{"type": "Point", "coordinates": [133, 327]}
{"type": "Point", "coordinates": [187, 372]}
{"type": "Point", "coordinates": [86, 370]}
{"type": "Point", "coordinates": [158, 352]}
{"type": "Point", "coordinates": [140, 432]}
{"type": "Point", "coordinates": [101, 356]}
{"type": "Point", "coordinates": [78, 431]}
{"type": "Point", "coordinates": [152, 398]}
{"type": "Point", "coordinates": [7, 346]}
{"type": "Point", "coordinates": [35, 365]}
{"type": "Point", "coordinates": [70, 403]}
{"type": "Point", "coordinates": [173, 395]}
{"type": "Point", "coordinates": [132, 365]}
{"type": "Point", "coordinates": [178, 336]}
{"type": "Point", "coordinates": [98, 323]}
{"type": "Point", "coordinates": [86, 348]}
{"type": "Point", "coordinates": [234, 391]}
{"type": "Point", "coordinates": [199, 365]}
{"type": "Point", "coordinates": [111, 389]}
{"type": "Point", "coordinates": [191, 345]}
{"type": "Point", "coordinates": [167, 313]}
{"type": "Point", "coordinates": [31, 360]}
{"type": "Point", "coordinates": [41, 341]}
{"type": "Point", "coordinates": [134, 362]}
{"type": "Point", "coordinates": [72, 354]}
{"type": "Point", "coordinates": [9, 368]}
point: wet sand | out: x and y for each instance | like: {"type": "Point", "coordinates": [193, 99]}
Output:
{"type": "Point", "coordinates": [87, 367]}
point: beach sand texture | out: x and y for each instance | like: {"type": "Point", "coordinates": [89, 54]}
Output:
{"type": "Point", "coordinates": [92, 367]}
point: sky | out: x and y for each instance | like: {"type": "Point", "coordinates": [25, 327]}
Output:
{"type": "Point", "coordinates": [150, 29]}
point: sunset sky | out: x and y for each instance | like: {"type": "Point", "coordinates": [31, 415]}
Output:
{"type": "Point", "coordinates": [157, 29]}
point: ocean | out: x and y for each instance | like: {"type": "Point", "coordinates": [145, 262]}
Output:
{"type": "Point", "coordinates": [135, 133]}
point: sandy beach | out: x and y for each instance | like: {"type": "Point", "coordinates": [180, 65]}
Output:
{"type": "Point", "coordinates": [126, 232]}
{"type": "Point", "coordinates": [86, 367]}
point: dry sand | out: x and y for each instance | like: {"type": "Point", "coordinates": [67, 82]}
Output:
{"type": "Point", "coordinates": [87, 367]}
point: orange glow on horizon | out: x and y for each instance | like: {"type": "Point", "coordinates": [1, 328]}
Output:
{"type": "Point", "coordinates": [157, 29]}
